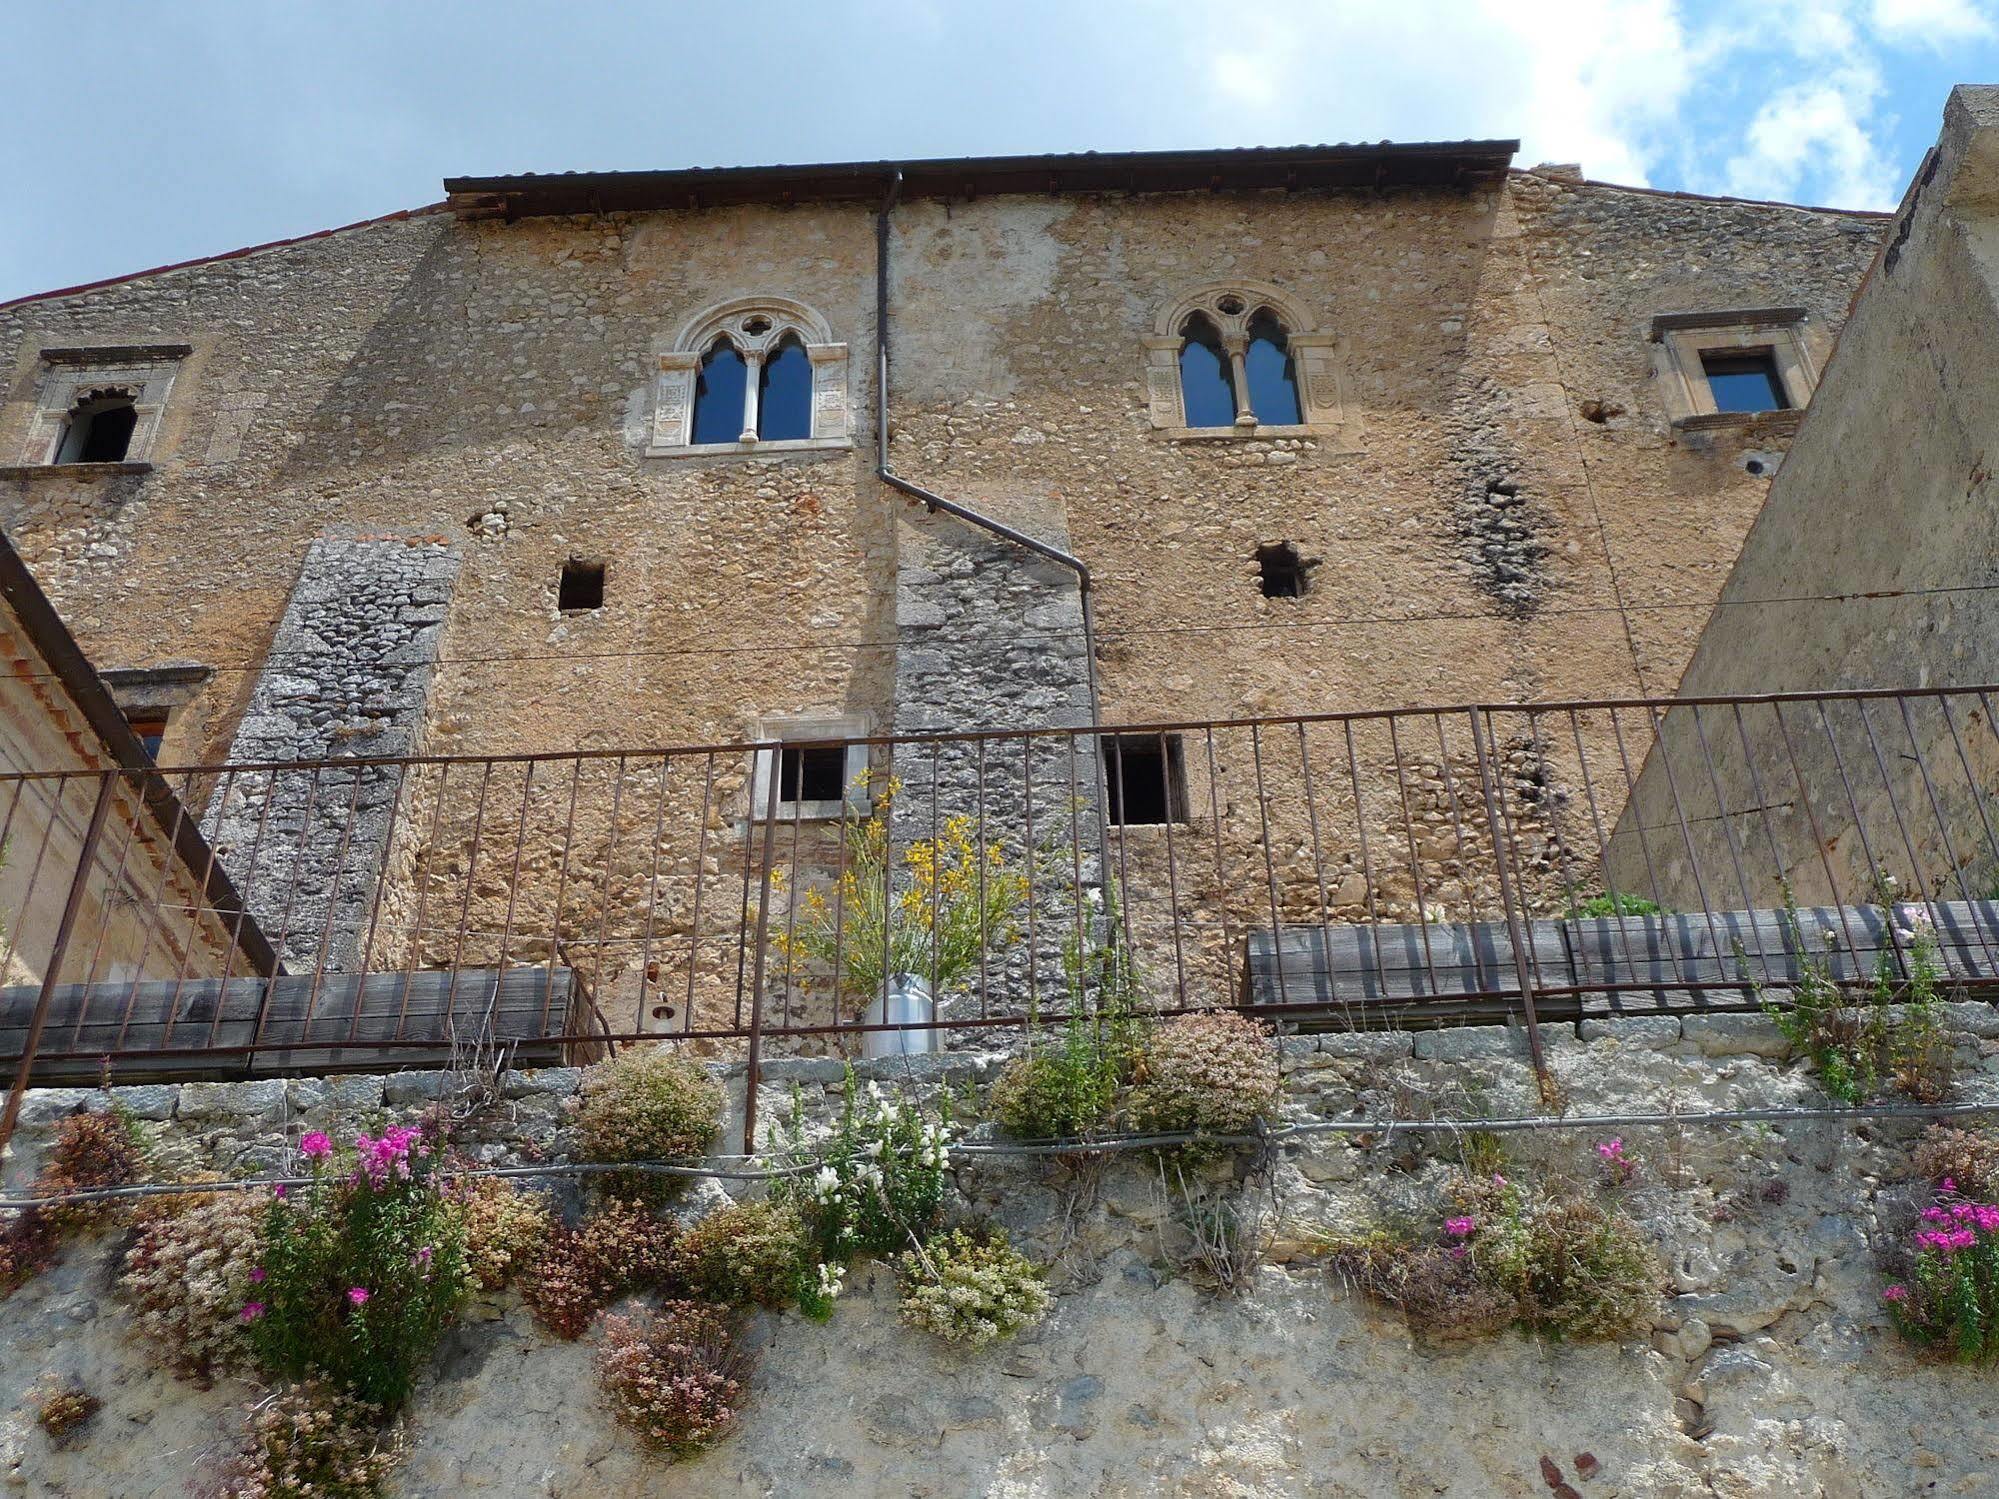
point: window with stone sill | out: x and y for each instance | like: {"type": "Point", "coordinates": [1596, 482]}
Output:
{"type": "Point", "coordinates": [1239, 359]}
{"type": "Point", "coordinates": [818, 773]}
{"type": "Point", "coordinates": [100, 405]}
{"type": "Point", "coordinates": [757, 375]}
{"type": "Point", "coordinates": [1725, 368]}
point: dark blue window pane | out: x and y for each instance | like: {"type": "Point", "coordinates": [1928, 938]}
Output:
{"type": "Point", "coordinates": [1273, 383]}
{"type": "Point", "coordinates": [784, 395]}
{"type": "Point", "coordinates": [718, 395]}
{"type": "Point", "coordinates": [1207, 384]}
{"type": "Point", "coordinates": [1744, 383]}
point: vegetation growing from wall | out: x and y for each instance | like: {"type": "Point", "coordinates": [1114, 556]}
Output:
{"type": "Point", "coordinates": [1556, 1260]}
{"type": "Point", "coordinates": [647, 1106]}
{"type": "Point", "coordinates": [362, 1270]}
{"type": "Point", "coordinates": [972, 1289]}
{"type": "Point", "coordinates": [880, 1177]}
{"type": "Point", "coordinates": [312, 1439]}
{"type": "Point", "coordinates": [1213, 1072]}
{"type": "Point", "coordinates": [675, 1377]}
{"type": "Point", "coordinates": [189, 1274]}
{"type": "Point", "coordinates": [1892, 1034]}
{"type": "Point", "coordinates": [1943, 1294]}
{"type": "Point", "coordinates": [90, 1151]}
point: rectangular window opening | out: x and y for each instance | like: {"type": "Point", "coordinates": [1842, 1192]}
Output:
{"type": "Point", "coordinates": [1744, 380]}
{"type": "Point", "coordinates": [582, 586]}
{"type": "Point", "coordinates": [811, 773]}
{"type": "Point", "coordinates": [1281, 571]}
{"type": "Point", "coordinates": [1145, 779]}
{"type": "Point", "coordinates": [151, 729]}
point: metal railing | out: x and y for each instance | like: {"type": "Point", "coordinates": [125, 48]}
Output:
{"type": "Point", "coordinates": [1369, 868]}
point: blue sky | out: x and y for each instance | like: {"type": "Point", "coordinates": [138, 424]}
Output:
{"type": "Point", "coordinates": [143, 134]}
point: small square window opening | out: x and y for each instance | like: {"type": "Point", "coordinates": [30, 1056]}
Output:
{"type": "Point", "coordinates": [1744, 381]}
{"type": "Point", "coordinates": [1145, 778]}
{"type": "Point", "coordinates": [811, 773]}
{"type": "Point", "coordinates": [1281, 571]}
{"type": "Point", "coordinates": [582, 586]}
{"type": "Point", "coordinates": [151, 729]}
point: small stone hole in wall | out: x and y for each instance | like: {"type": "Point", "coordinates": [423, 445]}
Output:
{"type": "Point", "coordinates": [1145, 778]}
{"type": "Point", "coordinates": [1754, 465]}
{"type": "Point", "coordinates": [582, 586]}
{"type": "Point", "coordinates": [1280, 571]}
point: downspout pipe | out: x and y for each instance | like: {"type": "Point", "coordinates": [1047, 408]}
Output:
{"type": "Point", "coordinates": [934, 502]}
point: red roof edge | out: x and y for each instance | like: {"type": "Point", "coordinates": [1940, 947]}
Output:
{"type": "Point", "coordinates": [181, 265]}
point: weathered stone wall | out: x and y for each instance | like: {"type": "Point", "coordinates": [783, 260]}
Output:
{"type": "Point", "coordinates": [1878, 547]}
{"type": "Point", "coordinates": [1476, 533]}
{"type": "Point", "coordinates": [348, 676]}
{"type": "Point", "coordinates": [1771, 1369]}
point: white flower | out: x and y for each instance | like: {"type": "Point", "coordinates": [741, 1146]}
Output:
{"type": "Point", "coordinates": [1829, 937]}
{"type": "Point", "coordinates": [1905, 934]}
{"type": "Point", "coordinates": [826, 1183]}
{"type": "Point", "coordinates": [1920, 919]}
{"type": "Point", "coordinates": [1096, 896]}
{"type": "Point", "coordinates": [872, 1149]}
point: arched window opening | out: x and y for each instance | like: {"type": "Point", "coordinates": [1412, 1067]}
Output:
{"type": "Point", "coordinates": [100, 428]}
{"type": "Point", "coordinates": [1270, 373]}
{"type": "Point", "coordinates": [784, 394]}
{"type": "Point", "coordinates": [718, 395]}
{"type": "Point", "coordinates": [1207, 384]}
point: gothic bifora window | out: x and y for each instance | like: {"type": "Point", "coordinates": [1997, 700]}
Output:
{"type": "Point", "coordinates": [755, 375]}
{"type": "Point", "coordinates": [1240, 359]}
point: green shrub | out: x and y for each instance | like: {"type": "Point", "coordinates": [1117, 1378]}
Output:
{"type": "Point", "coordinates": [1858, 1044]}
{"type": "Point", "coordinates": [1067, 1087]}
{"type": "Point", "coordinates": [880, 1180]}
{"type": "Point", "coordinates": [1560, 1263]}
{"type": "Point", "coordinates": [362, 1271]}
{"type": "Point", "coordinates": [1213, 1072]}
{"type": "Point", "coordinates": [1614, 905]}
{"type": "Point", "coordinates": [749, 1253]}
{"type": "Point", "coordinates": [971, 1290]}
{"type": "Point", "coordinates": [619, 1248]}
{"type": "Point", "coordinates": [188, 1275]}
{"type": "Point", "coordinates": [647, 1106]}
{"type": "Point", "coordinates": [312, 1441]}
{"type": "Point", "coordinates": [675, 1377]}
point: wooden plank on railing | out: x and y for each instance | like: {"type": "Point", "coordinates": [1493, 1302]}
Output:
{"type": "Point", "coordinates": [298, 1023]}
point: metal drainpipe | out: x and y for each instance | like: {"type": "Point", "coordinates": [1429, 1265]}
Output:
{"type": "Point", "coordinates": [935, 502]}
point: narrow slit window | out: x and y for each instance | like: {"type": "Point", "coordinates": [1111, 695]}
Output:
{"type": "Point", "coordinates": [1207, 383]}
{"type": "Point", "coordinates": [1280, 571]}
{"type": "Point", "coordinates": [1745, 381]}
{"type": "Point", "coordinates": [784, 394]}
{"type": "Point", "coordinates": [719, 389]}
{"type": "Point", "coordinates": [1272, 377]}
{"type": "Point", "coordinates": [811, 773]}
{"type": "Point", "coordinates": [1145, 779]}
{"type": "Point", "coordinates": [100, 429]}
{"type": "Point", "coordinates": [582, 586]}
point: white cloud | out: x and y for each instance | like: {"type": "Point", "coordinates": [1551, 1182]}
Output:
{"type": "Point", "coordinates": [1931, 23]}
{"type": "Point", "coordinates": [1813, 139]}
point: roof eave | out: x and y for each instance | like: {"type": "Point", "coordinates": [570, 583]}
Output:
{"type": "Point", "coordinates": [1437, 164]}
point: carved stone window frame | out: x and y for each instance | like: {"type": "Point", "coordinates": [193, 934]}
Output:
{"type": "Point", "coordinates": [755, 326]}
{"type": "Point", "coordinates": [145, 372]}
{"type": "Point", "coordinates": [1230, 305]}
{"type": "Point", "coordinates": [808, 729]}
{"type": "Point", "coordinates": [1680, 339]}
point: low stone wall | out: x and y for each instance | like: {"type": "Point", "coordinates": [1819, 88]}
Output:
{"type": "Point", "coordinates": [1771, 1369]}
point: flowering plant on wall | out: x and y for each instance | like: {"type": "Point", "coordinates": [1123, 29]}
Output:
{"type": "Point", "coordinates": [362, 1270]}
{"type": "Point", "coordinates": [929, 908]}
{"type": "Point", "coordinates": [878, 1185]}
{"type": "Point", "coordinates": [1945, 1290]}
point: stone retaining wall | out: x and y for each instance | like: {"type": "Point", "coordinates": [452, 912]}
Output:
{"type": "Point", "coordinates": [1770, 1369]}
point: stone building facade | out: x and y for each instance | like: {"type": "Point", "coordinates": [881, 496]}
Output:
{"type": "Point", "coordinates": [1506, 480]}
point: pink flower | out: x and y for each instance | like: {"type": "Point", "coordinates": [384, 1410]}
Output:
{"type": "Point", "coordinates": [1949, 1184]}
{"type": "Point", "coordinates": [256, 1275]}
{"type": "Point", "coordinates": [278, 1190]}
{"type": "Point", "coordinates": [1896, 1292]}
{"type": "Point", "coordinates": [1459, 1251]}
{"type": "Point", "coordinates": [1610, 1150]}
{"type": "Point", "coordinates": [315, 1146]}
{"type": "Point", "coordinates": [1460, 1228]}
{"type": "Point", "coordinates": [253, 1311]}
{"type": "Point", "coordinates": [358, 1295]}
